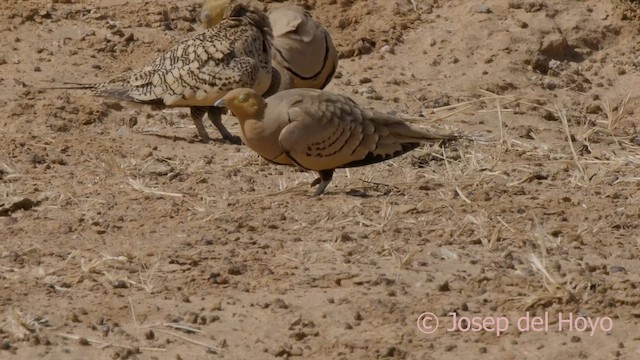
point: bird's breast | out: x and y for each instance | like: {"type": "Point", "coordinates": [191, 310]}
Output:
{"type": "Point", "coordinates": [262, 140]}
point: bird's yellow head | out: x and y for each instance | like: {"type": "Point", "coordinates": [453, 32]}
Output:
{"type": "Point", "coordinates": [213, 12]}
{"type": "Point", "coordinates": [244, 104]}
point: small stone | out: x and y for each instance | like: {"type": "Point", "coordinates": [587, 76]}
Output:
{"type": "Point", "coordinates": [279, 304]}
{"type": "Point", "coordinates": [212, 318]}
{"type": "Point", "coordinates": [392, 352]}
{"type": "Point", "coordinates": [74, 318]}
{"type": "Point", "coordinates": [550, 84]}
{"type": "Point", "coordinates": [279, 352]}
{"type": "Point", "coordinates": [617, 269]}
{"type": "Point", "coordinates": [146, 153]}
{"type": "Point", "coordinates": [158, 168]}
{"type": "Point", "coordinates": [238, 269]}
{"type": "Point", "coordinates": [387, 49]}
{"type": "Point", "coordinates": [37, 159]}
{"type": "Point", "coordinates": [15, 203]}
{"type": "Point", "coordinates": [482, 9]}
{"type": "Point", "coordinates": [217, 279]}
{"type": "Point", "coordinates": [216, 306]}
{"type": "Point", "coordinates": [119, 284]}
{"type": "Point", "coordinates": [575, 339]}
{"type": "Point", "coordinates": [123, 131]}
{"type": "Point", "coordinates": [593, 108]}
{"type": "Point", "coordinates": [132, 121]}
{"type": "Point", "coordinates": [444, 287]}
{"type": "Point", "coordinates": [364, 80]}
{"type": "Point", "coordinates": [296, 351]}
{"type": "Point", "coordinates": [192, 318]}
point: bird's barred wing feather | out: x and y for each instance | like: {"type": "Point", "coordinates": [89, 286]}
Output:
{"type": "Point", "coordinates": [197, 71]}
{"type": "Point", "coordinates": [331, 131]}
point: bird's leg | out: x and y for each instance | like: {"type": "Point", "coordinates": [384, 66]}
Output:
{"type": "Point", "coordinates": [196, 115]}
{"type": "Point", "coordinates": [215, 115]}
{"type": "Point", "coordinates": [322, 181]}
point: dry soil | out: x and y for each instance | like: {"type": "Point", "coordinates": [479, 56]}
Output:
{"type": "Point", "coordinates": [122, 237]}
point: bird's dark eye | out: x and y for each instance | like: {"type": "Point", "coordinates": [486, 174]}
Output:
{"type": "Point", "coordinates": [243, 98]}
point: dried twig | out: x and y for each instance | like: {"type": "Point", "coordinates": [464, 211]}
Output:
{"type": "Point", "coordinates": [138, 185]}
{"type": "Point", "coordinates": [192, 341]}
{"type": "Point", "coordinates": [565, 124]}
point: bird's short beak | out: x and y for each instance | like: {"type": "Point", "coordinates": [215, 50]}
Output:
{"type": "Point", "coordinates": [220, 103]}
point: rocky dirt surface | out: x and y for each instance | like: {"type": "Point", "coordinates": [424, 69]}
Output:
{"type": "Point", "coordinates": [121, 237]}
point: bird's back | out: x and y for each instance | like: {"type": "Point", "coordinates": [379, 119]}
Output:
{"type": "Point", "coordinates": [303, 50]}
{"type": "Point", "coordinates": [201, 69]}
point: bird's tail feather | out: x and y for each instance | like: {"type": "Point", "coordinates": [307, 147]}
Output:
{"type": "Point", "coordinates": [68, 85]}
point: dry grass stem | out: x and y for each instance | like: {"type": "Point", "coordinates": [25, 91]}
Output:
{"type": "Point", "coordinates": [140, 186]}
{"type": "Point", "coordinates": [565, 124]}
{"type": "Point", "coordinates": [191, 341]}
{"type": "Point", "coordinates": [103, 345]}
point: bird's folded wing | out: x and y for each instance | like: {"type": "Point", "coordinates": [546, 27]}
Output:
{"type": "Point", "coordinates": [195, 83]}
{"type": "Point", "coordinates": [331, 131]}
{"type": "Point", "coordinates": [203, 46]}
{"type": "Point", "coordinates": [195, 72]}
{"type": "Point", "coordinates": [327, 131]}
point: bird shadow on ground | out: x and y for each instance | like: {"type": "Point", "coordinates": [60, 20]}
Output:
{"type": "Point", "coordinates": [176, 138]}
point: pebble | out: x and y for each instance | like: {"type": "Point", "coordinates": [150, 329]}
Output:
{"type": "Point", "coordinates": [444, 287]}
{"type": "Point", "coordinates": [15, 203]}
{"type": "Point", "coordinates": [482, 9]}
{"type": "Point", "coordinates": [123, 131]}
{"type": "Point", "coordinates": [158, 168]}
{"type": "Point", "coordinates": [5, 345]}
{"type": "Point", "coordinates": [387, 49]}
{"type": "Point", "coordinates": [550, 84]}
{"type": "Point", "coordinates": [119, 284]}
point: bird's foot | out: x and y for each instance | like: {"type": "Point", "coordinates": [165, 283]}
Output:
{"type": "Point", "coordinates": [205, 140]}
{"type": "Point", "coordinates": [233, 139]}
{"type": "Point", "coordinates": [322, 181]}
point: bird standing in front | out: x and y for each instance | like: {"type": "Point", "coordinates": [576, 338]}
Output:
{"type": "Point", "coordinates": [321, 131]}
{"type": "Point", "coordinates": [195, 73]}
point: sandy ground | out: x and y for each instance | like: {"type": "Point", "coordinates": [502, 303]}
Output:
{"type": "Point", "coordinates": [121, 237]}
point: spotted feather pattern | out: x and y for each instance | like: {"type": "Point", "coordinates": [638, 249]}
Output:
{"type": "Point", "coordinates": [201, 69]}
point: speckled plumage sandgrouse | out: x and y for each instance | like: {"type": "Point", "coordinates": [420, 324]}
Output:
{"type": "Point", "coordinates": [195, 73]}
{"type": "Point", "coordinates": [303, 52]}
{"type": "Point", "coordinates": [321, 131]}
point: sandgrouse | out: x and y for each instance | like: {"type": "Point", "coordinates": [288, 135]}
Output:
{"type": "Point", "coordinates": [199, 70]}
{"type": "Point", "coordinates": [321, 131]}
{"type": "Point", "coordinates": [303, 52]}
